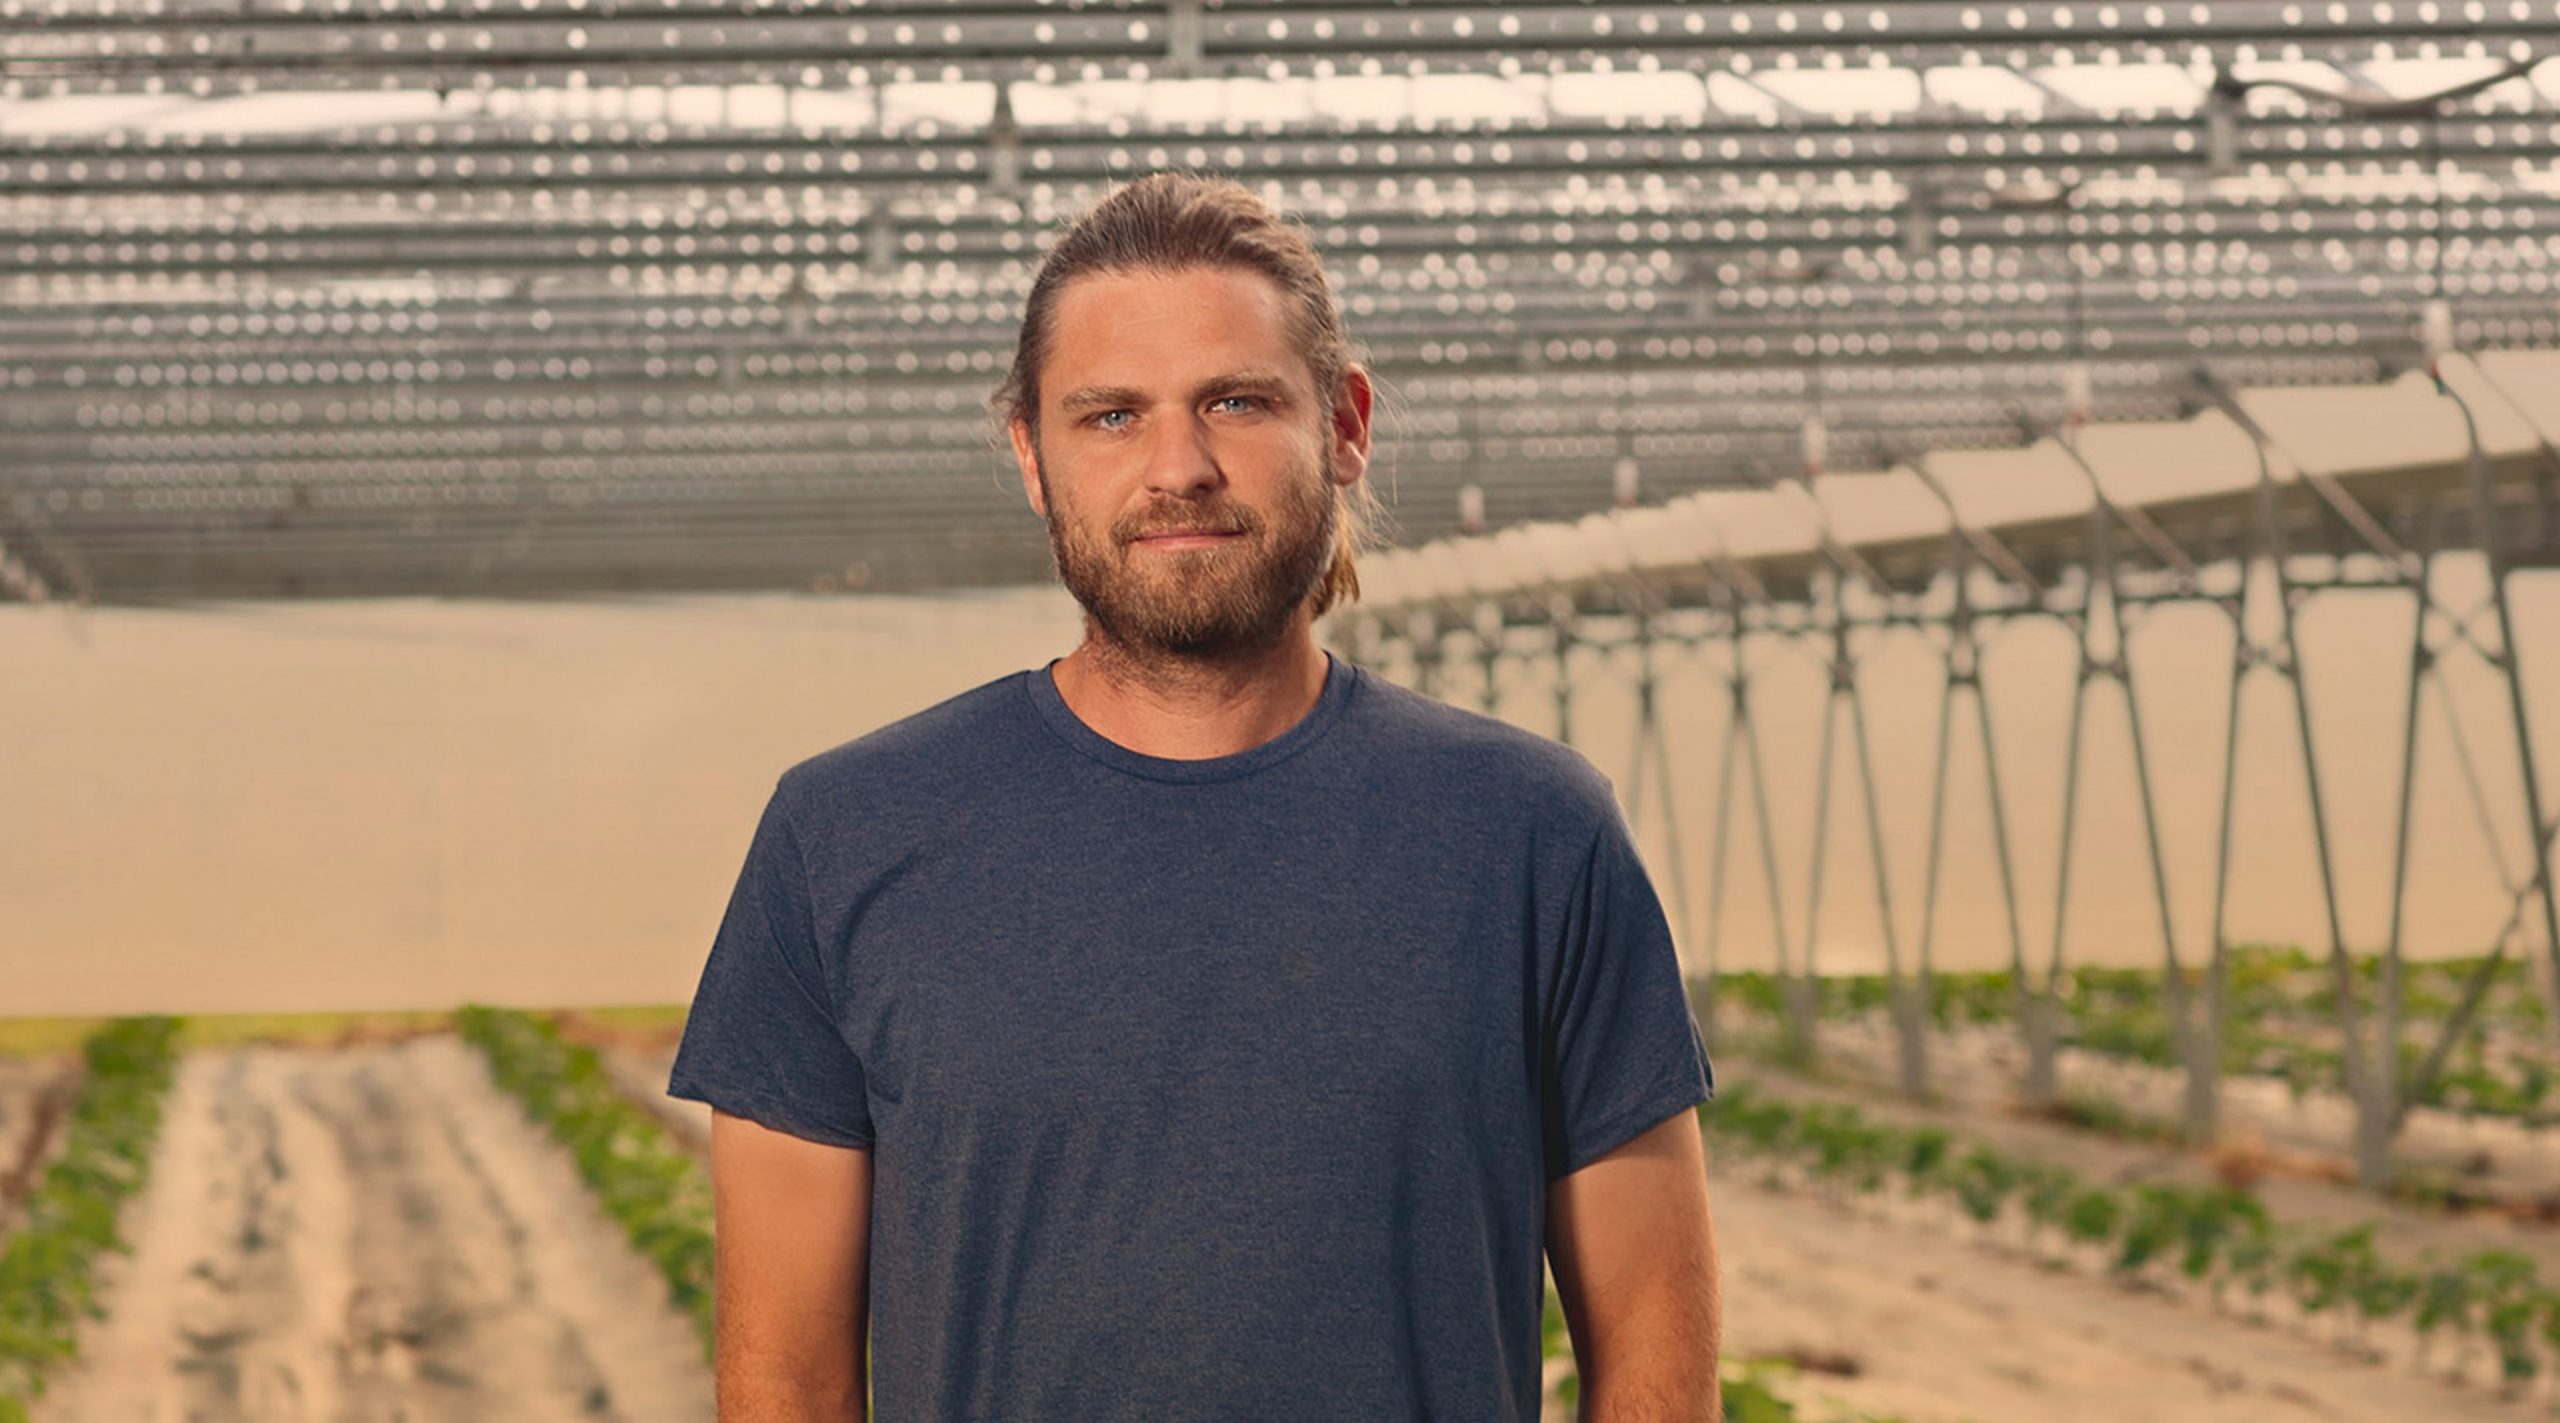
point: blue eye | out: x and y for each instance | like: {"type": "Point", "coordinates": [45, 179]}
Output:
{"type": "Point", "coordinates": [1223, 399]}
{"type": "Point", "coordinates": [1107, 414]}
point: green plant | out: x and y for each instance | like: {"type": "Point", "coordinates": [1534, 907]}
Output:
{"type": "Point", "coordinates": [1751, 1396]}
{"type": "Point", "coordinates": [2092, 1215]}
{"type": "Point", "coordinates": [2216, 1219]}
{"type": "Point", "coordinates": [2250, 1260]}
{"type": "Point", "coordinates": [2384, 1293]}
{"type": "Point", "coordinates": [2445, 1297]}
{"type": "Point", "coordinates": [2155, 1222]}
{"type": "Point", "coordinates": [1738, 1114]}
{"type": "Point", "coordinates": [651, 1186]}
{"type": "Point", "coordinates": [46, 1287]}
{"type": "Point", "coordinates": [1924, 1158]}
{"type": "Point", "coordinates": [1846, 1145]}
{"type": "Point", "coordinates": [1555, 1341]}
{"type": "Point", "coordinates": [2047, 1191]}
{"type": "Point", "coordinates": [1748, 1397]}
{"type": "Point", "coordinates": [1983, 1180]}
{"type": "Point", "coordinates": [2333, 1268]}
{"type": "Point", "coordinates": [2506, 1298]}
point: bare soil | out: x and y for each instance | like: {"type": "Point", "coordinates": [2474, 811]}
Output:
{"type": "Point", "coordinates": [1920, 1325]}
{"type": "Point", "coordinates": [366, 1233]}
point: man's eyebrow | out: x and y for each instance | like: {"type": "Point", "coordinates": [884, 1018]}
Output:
{"type": "Point", "coordinates": [1100, 395]}
{"type": "Point", "coordinates": [1243, 380]}
{"type": "Point", "coordinates": [1113, 396]}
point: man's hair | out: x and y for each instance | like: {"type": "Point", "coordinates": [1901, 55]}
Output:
{"type": "Point", "coordinates": [1167, 222]}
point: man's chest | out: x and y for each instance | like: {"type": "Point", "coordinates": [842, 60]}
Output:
{"type": "Point", "coordinates": [1166, 1003]}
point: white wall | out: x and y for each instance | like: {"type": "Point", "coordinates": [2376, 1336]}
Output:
{"type": "Point", "coordinates": [410, 803]}
{"type": "Point", "coordinates": [413, 803]}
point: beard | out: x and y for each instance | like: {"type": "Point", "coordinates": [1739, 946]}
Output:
{"type": "Point", "coordinates": [1199, 603]}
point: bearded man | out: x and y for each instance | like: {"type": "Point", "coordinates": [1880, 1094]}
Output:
{"type": "Point", "coordinates": [1198, 1026]}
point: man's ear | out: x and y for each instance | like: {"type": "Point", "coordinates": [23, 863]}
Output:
{"type": "Point", "coordinates": [1349, 425]}
{"type": "Point", "coordinates": [1026, 453]}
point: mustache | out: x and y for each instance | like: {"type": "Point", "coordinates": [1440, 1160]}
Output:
{"type": "Point", "coordinates": [1234, 522]}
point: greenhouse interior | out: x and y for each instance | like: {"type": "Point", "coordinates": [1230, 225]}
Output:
{"type": "Point", "coordinates": [2040, 518]}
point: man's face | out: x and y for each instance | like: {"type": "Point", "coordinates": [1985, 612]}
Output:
{"type": "Point", "coordinates": [1185, 464]}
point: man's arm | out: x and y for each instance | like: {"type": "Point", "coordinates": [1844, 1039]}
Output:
{"type": "Point", "coordinates": [1635, 1264]}
{"type": "Point", "coordinates": [791, 1253]}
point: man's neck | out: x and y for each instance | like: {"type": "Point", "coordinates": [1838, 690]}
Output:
{"type": "Point", "coordinates": [1191, 709]}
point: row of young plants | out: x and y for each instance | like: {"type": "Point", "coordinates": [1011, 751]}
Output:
{"type": "Point", "coordinates": [646, 1181]}
{"type": "Point", "coordinates": [2279, 981]}
{"type": "Point", "coordinates": [2281, 1021]}
{"type": "Point", "coordinates": [46, 1282]}
{"type": "Point", "coordinates": [2277, 1021]}
{"type": "Point", "coordinates": [2218, 1241]}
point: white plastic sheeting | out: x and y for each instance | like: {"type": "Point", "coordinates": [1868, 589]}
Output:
{"type": "Point", "coordinates": [1880, 508]}
{"type": "Point", "coordinates": [2401, 426]}
{"type": "Point", "coordinates": [2401, 430]}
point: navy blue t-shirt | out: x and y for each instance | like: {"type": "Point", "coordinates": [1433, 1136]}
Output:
{"type": "Point", "coordinates": [1199, 1089]}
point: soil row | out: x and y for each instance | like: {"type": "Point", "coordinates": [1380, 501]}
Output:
{"type": "Point", "coordinates": [370, 1233]}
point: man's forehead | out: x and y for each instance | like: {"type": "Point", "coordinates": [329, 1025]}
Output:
{"type": "Point", "coordinates": [1138, 328]}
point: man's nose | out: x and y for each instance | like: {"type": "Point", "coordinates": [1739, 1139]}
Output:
{"type": "Point", "coordinates": [1181, 462]}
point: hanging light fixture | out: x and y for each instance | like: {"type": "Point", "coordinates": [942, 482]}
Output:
{"type": "Point", "coordinates": [1919, 221]}
{"type": "Point", "coordinates": [2435, 328]}
{"type": "Point", "coordinates": [2078, 392]}
{"type": "Point", "coordinates": [1004, 144]}
{"type": "Point", "coordinates": [1625, 475]}
{"type": "Point", "coordinates": [2224, 104]}
{"type": "Point", "coordinates": [2435, 318]}
{"type": "Point", "coordinates": [796, 305]}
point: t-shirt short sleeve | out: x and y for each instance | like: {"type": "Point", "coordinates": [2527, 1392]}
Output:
{"type": "Point", "coordinates": [1623, 1051]}
{"type": "Point", "coordinates": [761, 1039]}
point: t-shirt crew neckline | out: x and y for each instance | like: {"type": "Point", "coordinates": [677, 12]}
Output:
{"type": "Point", "coordinates": [1340, 680]}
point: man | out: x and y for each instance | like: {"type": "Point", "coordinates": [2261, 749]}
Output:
{"type": "Point", "coordinates": [1198, 1027]}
